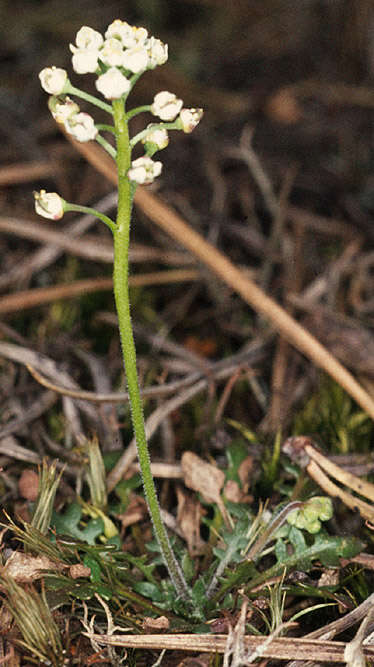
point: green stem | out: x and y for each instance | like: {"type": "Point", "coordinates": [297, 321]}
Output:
{"type": "Point", "coordinates": [106, 145]}
{"type": "Point", "coordinates": [90, 211]}
{"type": "Point", "coordinates": [72, 90]}
{"type": "Point", "coordinates": [137, 110]}
{"type": "Point", "coordinates": [121, 293]}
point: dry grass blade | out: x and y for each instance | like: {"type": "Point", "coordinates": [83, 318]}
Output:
{"type": "Point", "coordinates": [178, 229]}
{"type": "Point", "coordinates": [32, 615]}
{"type": "Point", "coordinates": [38, 296]}
{"type": "Point", "coordinates": [355, 483]}
{"type": "Point", "coordinates": [300, 449]}
{"type": "Point", "coordinates": [48, 484]}
{"type": "Point", "coordinates": [13, 450]}
{"type": "Point", "coordinates": [35, 410]}
{"type": "Point", "coordinates": [24, 172]}
{"type": "Point", "coordinates": [117, 397]}
{"type": "Point", "coordinates": [88, 245]}
{"type": "Point", "coordinates": [281, 648]}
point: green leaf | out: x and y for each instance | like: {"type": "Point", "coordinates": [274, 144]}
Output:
{"type": "Point", "coordinates": [68, 524]}
{"type": "Point", "coordinates": [280, 551]}
{"type": "Point", "coordinates": [94, 566]}
{"type": "Point", "coordinates": [104, 591]}
{"type": "Point", "coordinates": [149, 590]}
{"type": "Point", "coordinates": [236, 453]}
{"type": "Point", "coordinates": [199, 593]}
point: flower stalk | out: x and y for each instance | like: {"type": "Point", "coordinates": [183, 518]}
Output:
{"type": "Point", "coordinates": [121, 293]}
{"type": "Point", "coordinates": [119, 60]}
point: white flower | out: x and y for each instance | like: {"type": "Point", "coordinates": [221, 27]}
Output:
{"type": "Point", "coordinates": [113, 84]}
{"type": "Point", "coordinates": [87, 38]}
{"type": "Point", "coordinates": [122, 31]}
{"type": "Point", "coordinates": [53, 80]}
{"type": "Point", "coordinates": [139, 35]}
{"type": "Point", "coordinates": [166, 105]}
{"type": "Point", "coordinates": [84, 60]}
{"type": "Point", "coordinates": [129, 35]}
{"type": "Point", "coordinates": [144, 170]}
{"type": "Point", "coordinates": [157, 52]}
{"type": "Point", "coordinates": [135, 59]}
{"type": "Point", "coordinates": [189, 118]}
{"type": "Point", "coordinates": [159, 137]}
{"type": "Point", "coordinates": [81, 126]}
{"type": "Point", "coordinates": [112, 52]}
{"type": "Point", "coordinates": [86, 51]}
{"type": "Point", "coordinates": [62, 110]}
{"type": "Point", "coordinates": [49, 205]}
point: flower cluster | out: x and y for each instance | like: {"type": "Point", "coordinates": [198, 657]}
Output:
{"type": "Point", "coordinates": [117, 58]}
{"type": "Point", "coordinates": [124, 51]}
{"type": "Point", "coordinates": [309, 517]}
{"type": "Point", "coordinates": [124, 46]}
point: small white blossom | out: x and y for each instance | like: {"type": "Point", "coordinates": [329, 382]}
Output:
{"type": "Point", "coordinates": [49, 205]}
{"type": "Point", "coordinates": [159, 137]}
{"type": "Point", "coordinates": [166, 105]}
{"type": "Point", "coordinates": [53, 80]}
{"type": "Point", "coordinates": [144, 170]}
{"type": "Point", "coordinates": [135, 59]}
{"type": "Point", "coordinates": [62, 110]}
{"type": "Point", "coordinates": [129, 35]}
{"type": "Point", "coordinates": [113, 84]}
{"type": "Point", "coordinates": [112, 52]}
{"type": "Point", "coordinates": [122, 31]}
{"type": "Point", "coordinates": [87, 38]}
{"type": "Point", "coordinates": [84, 61]}
{"type": "Point", "coordinates": [157, 52]}
{"type": "Point", "coordinates": [139, 34]}
{"type": "Point", "coordinates": [189, 118]}
{"type": "Point", "coordinates": [81, 126]}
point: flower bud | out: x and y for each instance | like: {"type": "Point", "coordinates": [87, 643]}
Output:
{"type": "Point", "coordinates": [166, 105]}
{"type": "Point", "coordinates": [189, 118]}
{"type": "Point", "coordinates": [84, 61]}
{"type": "Point", "coordinates": [113, 84]}
{"type": "Point", "coordinates": [159, 139]}
{"type": "Point", "coordinates": [88, 38]}
{"type": "Point", "coordinates": [53, 80]}
{"type": "Point", "coordinates": [112, 52]}
{"type": "Point", "coordinates": [49, 205]}
{"type": "Point", "coordinates": [129, 35]}
{"type": "Point", "coordinates": [144, 170]}
{"type": "Point", "coordinates": [81, 126]}
{"type": "Point", "coordinates": [140, 34]}
{"type": "Point", "coordinates": [157, 52]}
{"type": "Point", "coordinates": [61, 111]}
{"type": "Point", "coordinates": [121, 31]}
{"type": "Point", "coordinates": [135, 59]}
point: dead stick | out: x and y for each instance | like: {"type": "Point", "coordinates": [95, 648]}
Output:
{"type": "Point", "coordinates": [178, 229]}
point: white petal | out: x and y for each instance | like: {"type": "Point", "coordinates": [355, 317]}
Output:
{"type": "Point", "coordinates": [113, 84]}
{"type": "Point", "coordinates": [53, 80]}
{"type": "Point", "coordinates": [49, 205]}
{"type": "Point", "coordinates": [87, 38]}
{"type": "Point", "coordinates": [85, 61]}
{"type": "Point", "coordinates": [135, 59]}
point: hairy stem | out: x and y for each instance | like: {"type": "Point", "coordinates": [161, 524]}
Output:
{"type": "Point", "coordinates": [121, 292]}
